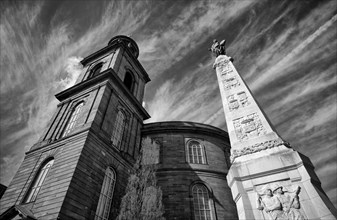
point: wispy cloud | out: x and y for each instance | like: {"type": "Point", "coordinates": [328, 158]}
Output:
{"type": "Point", "coordinates": [285, 50]}
{"type": "Point", "coordinates": [36, 65]}
{"type": "Point", "coordinates": [188, 30]}
{"type": "Point", "coordinates": [290, 59]}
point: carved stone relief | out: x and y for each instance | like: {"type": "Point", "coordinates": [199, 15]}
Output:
{"type": "Point", "coordinates": [225, 69]}
{"type": "Point", "coordinates": [248, 126]}
{"type": "Point", "coordinates": [232, 103]}
{"type": "Point", "coordinates": [230, 82]}
{"type": "Point", "coordinates": [243, 99]}
{"type": "Point", "coordinates": [278, 201]}
{"type": "Point", "coordinates": [237, 101]}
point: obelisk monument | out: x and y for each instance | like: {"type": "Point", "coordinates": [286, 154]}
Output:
{"type": "Point", "coordinates": [268, 179]}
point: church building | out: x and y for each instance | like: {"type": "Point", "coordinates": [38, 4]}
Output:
{"type": "Point", "coordinates": [79, 168]}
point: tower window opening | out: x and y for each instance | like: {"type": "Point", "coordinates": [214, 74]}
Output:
{"type": "Point", "coordinates": [117, 133]}
{"type": "Point", "coordinates": [73, 119]}
{"type": "Point", "coordinates": [38, 181]}
{"type": "Point", "coordinates": [195, 152]}
{"type": "Point", "coordinates": [201, 203]}
{"type": "Point", "coordinates": [105, 198]}
{"type": "Point", "coordinates": [95, 70]}
{"type": "Point", "coordinates": [128, 80]}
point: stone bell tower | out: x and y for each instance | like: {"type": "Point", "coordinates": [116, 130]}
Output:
{"type": "Point", "coordinates": [268, 179]}
{"type": "Point", "coordinates": [80, 166]}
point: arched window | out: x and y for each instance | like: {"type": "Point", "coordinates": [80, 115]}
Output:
{"type": "Point", "coordinates": [202, 203]}
{"type": "Point", "coordinates": [195, 152]}
{"type": "Point", "coordinates": [128, 80]}
{"type": "Point", "coordinates": [73, 119]}
{"type": "Point", "coordinates": [38, 181]}
{"type": "Point", "coordinates": [95, 70]}
{"type": "Point", "coordinates": [105, 198]}
{"type": "Point", "coordinates": [117, 133]}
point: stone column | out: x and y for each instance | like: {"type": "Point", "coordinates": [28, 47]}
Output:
{"type": "Point", "coordinates": [268, 179]}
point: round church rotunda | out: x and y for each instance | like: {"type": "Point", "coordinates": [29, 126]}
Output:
{"type": "Point", "coordinates": [192, 167]}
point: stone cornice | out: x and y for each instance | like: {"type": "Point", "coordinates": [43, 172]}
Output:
{"type": "Point", "coordinates": [208, 172]}
{"type": "Point", "coordinates": [268, 173]}
{"type": "Point", "coordinates": [107, 74]}
{"type": "Point", "coordinates": [183, 126]}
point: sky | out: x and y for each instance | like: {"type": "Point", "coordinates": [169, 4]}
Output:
{"type": "Point", "coordinates": [285, 50]}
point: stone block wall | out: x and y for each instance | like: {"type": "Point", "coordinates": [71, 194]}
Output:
{"type": "Point", "coordinates": [176, 176]}
{"type": "Point", "coordinates": [51, 196]}
{"type": "Point", "coordinates": [85, 187]}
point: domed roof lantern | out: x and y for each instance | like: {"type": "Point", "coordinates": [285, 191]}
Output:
{"type": "Point", "coordinates": [128, 42]}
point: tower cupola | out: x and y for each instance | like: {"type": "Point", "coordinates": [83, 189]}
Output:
{"type": "Point", "coordinates": [127, 42]}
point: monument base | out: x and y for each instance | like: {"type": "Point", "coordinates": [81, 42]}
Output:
{"type": "Point", "coordinates": [280, 184]}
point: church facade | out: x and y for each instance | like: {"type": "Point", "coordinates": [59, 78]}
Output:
{"type": "Point", "coordinates": [80, 166]}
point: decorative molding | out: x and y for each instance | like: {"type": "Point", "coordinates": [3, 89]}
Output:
{"type": "Point", "coordinates": [258, 147]}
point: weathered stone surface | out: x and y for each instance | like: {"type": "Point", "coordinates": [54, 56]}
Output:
{"type": "Point", "coordinates": [176, 175]}
{"type": "Point", "coordinates": [248, 127]}
{"type": "Point", "coordinates": [288, 169]}
{"type": "Point", "coordinates": [260, 158]}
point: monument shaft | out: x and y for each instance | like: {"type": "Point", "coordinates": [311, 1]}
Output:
{"type": "Point", "coordinates": [268, 179]}
{"type": "Point", "coordinates": [248, 127]}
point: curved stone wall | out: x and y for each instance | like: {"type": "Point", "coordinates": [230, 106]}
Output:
{"type": "Point", "coordinates": [178, 171]}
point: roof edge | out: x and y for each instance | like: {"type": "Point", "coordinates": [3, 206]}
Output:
{"type": "Point", "coordinates": [159, 127]}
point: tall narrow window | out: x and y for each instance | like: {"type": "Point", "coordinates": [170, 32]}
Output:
{"type": "Point", "coordinates": [128, 80]}
{"type": "Point", "coordinates": [195, 152]}
{"type": "Point", "coordinates": [105, 198]}
{"type": "Point", "coordinates": [201, 203]}
{"type": "Point", "coordinates": [117, 133]}
{"type": "Point", "coordinates": [73, 119]}
{"type": "Point", "coordinates": [38, 181]}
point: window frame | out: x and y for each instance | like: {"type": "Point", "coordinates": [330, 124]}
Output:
{"type": "Point", "coordinates": [93, 71]}
{"type": "Point", "coordinates": [209, 195]}
{"type": "Point", "coordinates": [132, 76]}
{"type": "Point", "coordinates": [119, 129]}
{"type": "Point", "coordinates": [73, 118]}
{"type": "Point", "coordinates": [106, 195]}
{"type": "Point", "coordinates": [191, 157]}
{"type": "Point", "coordinates": [38, 180]}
